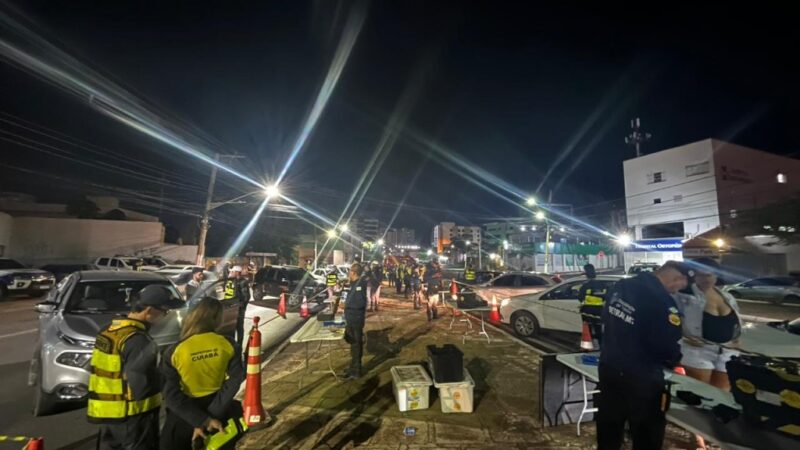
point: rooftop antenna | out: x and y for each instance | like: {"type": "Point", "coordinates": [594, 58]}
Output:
{"type": "Point", "coordinates": [637, 136]}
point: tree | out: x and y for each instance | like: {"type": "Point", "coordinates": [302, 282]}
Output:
{"type": "Point", "coordinates": [83, 208]}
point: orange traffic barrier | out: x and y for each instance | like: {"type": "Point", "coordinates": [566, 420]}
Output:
{"type": "Point", "coordinates": [494, 316]}
{"type": "Point", "coordinates": [304, 308]}
{"type": "Point", "coordinates": [586, 338]}
{"type": "Point", "coordinates": [282, 305]}
{"type": "Point", "coordinates": [254, 413]}
{"type": "Point", "coordinates": [35, 444]}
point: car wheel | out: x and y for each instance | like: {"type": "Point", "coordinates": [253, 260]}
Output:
{"type": "Point", "coordinates": [293, 301]}
{"type": "Point", "coordinates": [791, 299]}
{"type": "Point", "coordinates": [525, 324]}
{"type": "Point", "coordinates": [43, 403]}
{"type": "Point", "coordinates": [735, 294]}
{"type": "Point", "coordinates": [258, 293]}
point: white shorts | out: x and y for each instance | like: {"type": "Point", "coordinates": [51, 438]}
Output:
{"type": "Point", "coordinates": [711, 357]}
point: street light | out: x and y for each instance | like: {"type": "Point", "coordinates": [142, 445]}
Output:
{"type": "Point", "coordinates": [540, 215]}
{"type": "Point", "coordinates": [331, 234]}
{"type": "Point", "coordinates": [467, 242]}
{"type": "Point", "coordinates": [719, 243]}
{"type": "Point", "coordinates": [380, 242]}
{"type": "Point", "coordinates": [623, 240]}
{"type": "Point", "coordinates": [344, 227]}
{"type": "Point", "coordinates": [272, 191]}
{"type": "Point", "coordinates": [562, 229]}
{"type": "Point", "coordinates": [429, 252]}
{"type": "Point", "coordinates": [531, 201]}
{"type": "Point", "coordinates": [522, 228]}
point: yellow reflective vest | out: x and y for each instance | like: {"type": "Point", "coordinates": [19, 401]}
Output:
{"type": "Point", "coordinates": [469, 275]}
{"type": "Point", "coordinates": [332, 279]}
{"type": "Point", "coordinates": [594, 299]}
{"type": "Point", "coordinates": [202, 362]}
{"type": "Point", "coordinates": [110, 398]}
{"type": "Point", "coordinates": [230, 290]}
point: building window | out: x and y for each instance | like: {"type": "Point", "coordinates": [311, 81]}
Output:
{"type": "Point", "coordinates": [781, 178]}
{"type": "Point", "coordinates": [656, 201]}
{"type": "Point", "coordinates": [697, 169]}
{"type": "Point", "coordinates": [655, 177]}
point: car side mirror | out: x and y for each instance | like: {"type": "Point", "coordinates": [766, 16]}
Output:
{"type": "Point", "coordinates": [45, 307]}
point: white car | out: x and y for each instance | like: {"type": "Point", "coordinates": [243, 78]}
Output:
{"type": "Point", "coordinates": [511, 284]}
{"type": "Point", "coordinates": [556, 308]}
{"type": "Point", "coordinates": [320, 274]}
{"type": "Point", "coordinates": [119, 263]}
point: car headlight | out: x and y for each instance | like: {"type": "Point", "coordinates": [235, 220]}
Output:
{"type": "Point", "coordinates": [504, 302]}
{"type": "Point", "coordinates": [74, 359]}
{"type": "Point", "coordinates": [76, 342]}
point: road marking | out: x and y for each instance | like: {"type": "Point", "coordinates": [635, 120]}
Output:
{"type": "Point", "coordinates": [18, 333]}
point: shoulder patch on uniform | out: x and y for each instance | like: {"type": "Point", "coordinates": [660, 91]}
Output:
{"type": "Point", "coordinates": [673, 310]}
{"type": "Point", "coordinates": [675, 319]}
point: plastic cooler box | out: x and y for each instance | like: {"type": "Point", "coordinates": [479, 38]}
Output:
{"type": "Point", "coordinates": [456, 397]}
{"type": "Point", "coordinates": [411, 385]}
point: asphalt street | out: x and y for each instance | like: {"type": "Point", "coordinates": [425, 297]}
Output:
{"type": "Point", "coordinates": [69, 428]}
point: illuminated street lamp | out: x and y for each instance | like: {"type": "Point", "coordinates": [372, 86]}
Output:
{"type": "Point", "coordinates": [531, 201]}
{"type": "Point", "coordinates": [719, 242]}
{"type": "Point", "coordinates": [522, 228]}
{"type": "Point", "coordinates": [623, 240]}
{"type": "Point", "coordinates": [540, 215]}
{"type": "Point", "coordinates": [331, 234]}
{"type": "Point", "coordinates": [272, 191]}
{"type": "Point", "coordinates": [344, 227]}
{"type": "Point", "coordinates": [562, 229]}
{"type": "Point", "coordinates": [429, 252]}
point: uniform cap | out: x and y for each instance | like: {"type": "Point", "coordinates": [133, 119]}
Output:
{"type": "Point", "coordinates": [236, 269]}
{"type": "Point", "coordinates": [158, 296]}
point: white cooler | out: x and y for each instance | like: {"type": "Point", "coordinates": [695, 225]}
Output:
{"type": "Point", "coordinates": [456, 397]}
{"type": "Point", "coordinates": [411, 385]}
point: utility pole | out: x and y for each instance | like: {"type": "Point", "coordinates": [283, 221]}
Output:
{"type": "Point", "coordinates": [637, 136]}
{"type": "Point", "coordinates": [204, 222]}
{"type": "Point", "coordinates": [547, 235]}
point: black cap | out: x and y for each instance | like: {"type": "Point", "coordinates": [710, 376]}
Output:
{"type": "Point", "coordinates": [683, 268]}
{"type": "Point", "coordinates": [197, 270]}
{"type": "Point", "coordinates": [158, 296]}
{"type": "Point", "coordinates": [590, 270]}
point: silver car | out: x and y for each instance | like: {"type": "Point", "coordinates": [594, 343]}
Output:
{"type": "Point", "coordinates": [774, 289]}
{"type": "Point", "coordinates": [70, 318]}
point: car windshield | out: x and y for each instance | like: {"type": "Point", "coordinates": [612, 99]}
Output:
{"type": "Point", "coordinates": [6, 264]}
{"type": "Point", "coordinates": [107, 297]}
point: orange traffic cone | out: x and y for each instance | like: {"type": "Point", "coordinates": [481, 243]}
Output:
{"type": "Point", "coordinates": [34, 444]}
{"type": "Point", "coordinates": [454, 289]}
{"type": "Point", "coordinates": [254, 413]}
{"type": "Point", "coordinates": [304, 308]}
{"type": "Point", "coordinates": [282, 305]}
{"type": "Point", "coordinates": [494, 316]}
{"type": "Point", "coordinates": [586, 338]}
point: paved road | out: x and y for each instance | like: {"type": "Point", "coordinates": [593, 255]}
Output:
{"type": "Point", "coordinates": [786, 311]}
{"type": "Point", "coordinates": [69, 429]}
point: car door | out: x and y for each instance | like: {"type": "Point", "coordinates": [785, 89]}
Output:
{"type": "Point", "coordinates": [562, 308]}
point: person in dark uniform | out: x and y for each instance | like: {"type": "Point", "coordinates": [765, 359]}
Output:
{"type": "Point", "coordinates": [355, 313]}
{"type": "Point", "coordinates": [641, 330]}
{"type": "Point", "coordinates": [433, 280]}
{"type": "Point", "coordinates": [237, 289]}
{"type": "Point", "coordinates": [592, 297]}
{"type": "Point", "coordinates": [202, 373]}
{"type": "Point", "coordinates": [124, 384]}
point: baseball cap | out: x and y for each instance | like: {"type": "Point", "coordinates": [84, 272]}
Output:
{"type": "Point", "coordinates": [157, 296]}
{"type": "Point", "coordinates": [683, 268]}
{"type": "Point", "coordinates": [236, 269]}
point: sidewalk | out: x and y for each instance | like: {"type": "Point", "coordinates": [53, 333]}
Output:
{"type": "Point", "coordinates": [315, 411]}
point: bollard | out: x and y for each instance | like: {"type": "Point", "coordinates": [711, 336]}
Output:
{"type": "Point", "coordinates": [254, 413]}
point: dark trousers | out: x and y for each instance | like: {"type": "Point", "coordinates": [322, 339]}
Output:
{"type": "Point", "coordinates": [240, 327]}
{"type": "Point", "coordinates": [139, 432]}
{"type": "Point", "coordinates": [398, 284]}
{"type": "Point", "coordinates": [177, 434]}
{"type": "Point", "coordinates": [355, 336]}
{"type": "Point", "coordinates": [633, 399]}
{"type": "Point", "coordinates": [596, 328]}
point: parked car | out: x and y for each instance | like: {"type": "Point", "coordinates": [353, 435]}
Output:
{"type": "Point", "coordinates": [17, 279]}
{"type": "Point", "coordinates": [641, 267]}
{"type": "Point", "coordinates": [119, 263]}
{"type": "Point", "coordinates": [181, 278]}
{"type": "Point", "coordinates": [73, 314]}
{"type": "Point", "coordinates": [774, 289]}
{"type": "Point", "coordinates": [294, 281]}
{"type": "Point", "coordinates": [556, 308]}
{"type": "Point", "coordinates": [510, 284]}
{"type": "Point", "coordinates": [62, 270]}
{"type": "Point", "coordinates": [321, 274]}
{"type": "Point", "coordinates": [153, 263]}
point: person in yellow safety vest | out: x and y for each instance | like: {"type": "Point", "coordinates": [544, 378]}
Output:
{"type": "Point", "coordinates": [331, 280]}
{"type": "Point", "coordinates": [202, 374]}
{"type": "Point", "coordinates": [124, 384]}
{"type": "Point", "coordinates": [592, 297]}
{"type": "Point", "coordinates": [237, 289]}
{"type": "Point", "coordinates": [398, 282]}
{"type": "Point", "coordinates": [469, 274]}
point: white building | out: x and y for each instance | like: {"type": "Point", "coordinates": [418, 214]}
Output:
{"type": "Point", "coordinates": [445, 232]}
{"type": "Point", "coordinates": [678, 193]}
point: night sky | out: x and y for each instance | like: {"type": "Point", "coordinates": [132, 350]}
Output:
{"type": "Point", "coordinates": [516, 88]}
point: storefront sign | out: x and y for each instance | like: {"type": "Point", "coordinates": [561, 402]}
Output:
{"type": "Point", "coordinates": [656, 245]}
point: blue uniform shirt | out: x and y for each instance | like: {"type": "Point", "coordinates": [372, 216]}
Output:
{"type": "Point", "coordinates": [641, 328]}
